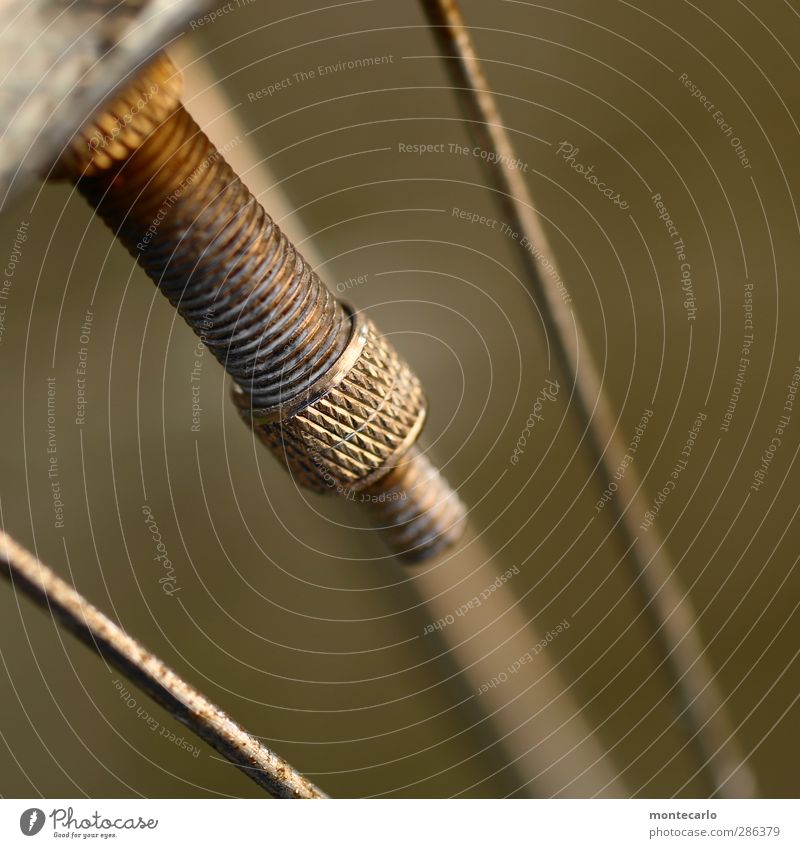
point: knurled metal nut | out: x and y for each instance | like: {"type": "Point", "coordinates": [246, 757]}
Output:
{"type": "Point", "coordinates": [353, 425]}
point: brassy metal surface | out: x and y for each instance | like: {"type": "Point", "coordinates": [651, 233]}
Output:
{"type": "Point", "coordinates": [373, 152]}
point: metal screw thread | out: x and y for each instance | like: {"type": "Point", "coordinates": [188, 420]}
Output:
{"type": "Point", "coordinates": [415, 509]}
{"type": "Point", "coordinates": [181, 211]}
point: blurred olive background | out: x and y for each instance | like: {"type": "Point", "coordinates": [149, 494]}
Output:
{"type": "Point", "coordinates": [301, 627]}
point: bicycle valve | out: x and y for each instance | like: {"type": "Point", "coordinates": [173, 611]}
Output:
{"type": "Point", "coordinates": [318, 383]}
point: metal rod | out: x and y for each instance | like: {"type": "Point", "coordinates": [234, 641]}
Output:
{"type": "Point", "coordinates": [653, 572]}
{"type": "Point", "coordinates": [541, 733]}
{"type": "Point", "coordinates": [550, 746]}
{"type": "Point", "coordinates": [151, 675]}
{"type": "Point", "coordinates": [320, 385]}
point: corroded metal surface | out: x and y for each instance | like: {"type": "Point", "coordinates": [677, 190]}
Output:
{"type": "Point", "coordinates": [320, 385]}
{"type": "Point", "coordinates": [653, 572]}
{"type": "Point", "coordinates": [177, 206]}
{"type": "Point", "coordinates": [151, 674]}
{"type": "Point", "coordinates": [60, 60]}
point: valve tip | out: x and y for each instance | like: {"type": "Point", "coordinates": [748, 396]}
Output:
{"type": "Point", "coordinates": [415, 509]}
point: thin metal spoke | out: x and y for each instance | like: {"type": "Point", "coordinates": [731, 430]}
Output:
{"type": "Point", "coordinates": [653, 572]}
{"type": "Point", "coordinates": [151, 675]}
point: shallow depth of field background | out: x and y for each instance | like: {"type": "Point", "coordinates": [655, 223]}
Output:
{"type": "Point", "coordinates": [303, 630]}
